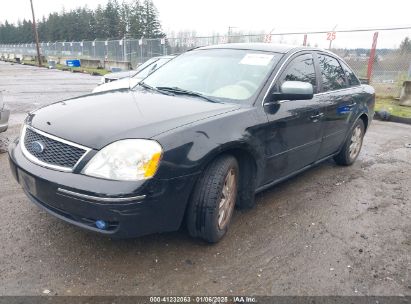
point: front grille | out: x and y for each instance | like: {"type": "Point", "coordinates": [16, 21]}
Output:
{"type": "Point", "coordinates": [55, 153]}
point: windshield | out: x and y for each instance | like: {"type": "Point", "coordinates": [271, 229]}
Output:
{"type": "Point", "coordinates": [146, 64]}
{"type": "Point", "coordinates": [149, 69]}
{"type": "Point", "coordinates": [222, 74]}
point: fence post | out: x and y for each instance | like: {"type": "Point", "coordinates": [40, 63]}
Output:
{"type": "Point", "coordinates": [106, 51]}
{"type": "Point", "coordinates": [124, 48]}
{"type": "Point", "coordinates": [372, 56]}
{"type": "Point", "coordinates": [140, 42]}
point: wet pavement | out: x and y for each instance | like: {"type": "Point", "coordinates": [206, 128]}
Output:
{"type": "Point", "coordinates": [329, 231]}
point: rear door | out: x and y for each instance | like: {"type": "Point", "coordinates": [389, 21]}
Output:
{"type": "Point", "coordinates": [338, 98]}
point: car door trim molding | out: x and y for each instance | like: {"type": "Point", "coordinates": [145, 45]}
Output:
{"type": "Point", "coordinates": [333, 91]}
{"type": "Point", "coordinates": [279, 180]}
{"type": "Point", "coordinates": [296, 148]}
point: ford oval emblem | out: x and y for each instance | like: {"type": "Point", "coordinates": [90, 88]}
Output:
{"type": "Point", "coordinates": [38, 146]}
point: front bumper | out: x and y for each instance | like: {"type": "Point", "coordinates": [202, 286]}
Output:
{"type": "Point", "coordinates": [4, 120]}
{"type": "Point", "coordinates": [131, 209]}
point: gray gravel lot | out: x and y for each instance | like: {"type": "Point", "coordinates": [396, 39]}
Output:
{"type": "Point", "coordinates": [26, 88]}
{"type": "Point", "coordinates": [329, 231]}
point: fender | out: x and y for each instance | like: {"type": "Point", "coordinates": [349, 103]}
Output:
{"type": "Point", "coordinates": [190, 149]}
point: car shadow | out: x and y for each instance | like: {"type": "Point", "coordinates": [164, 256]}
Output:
{"type": "Point", "coordinates": [181, 237]}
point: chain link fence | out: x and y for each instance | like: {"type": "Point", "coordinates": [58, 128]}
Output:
{"type": "Point", "coordinates": [389, 68]}
{"type": "Point", "coordinates": [133, 51]}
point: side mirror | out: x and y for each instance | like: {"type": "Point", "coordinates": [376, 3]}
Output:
{"type": "Point", "coordinates": [294, 90]}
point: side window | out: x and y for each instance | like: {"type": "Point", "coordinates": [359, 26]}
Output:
{"type": "Point", "coordinates": [302, 69]}
{"type": "Point", "coordinates": [352, 79]}
{"type": "Point", "coordinates": [331, 73]}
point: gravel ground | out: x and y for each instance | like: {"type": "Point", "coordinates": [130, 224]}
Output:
{"type": "Point", "coordinates": [329, 231]}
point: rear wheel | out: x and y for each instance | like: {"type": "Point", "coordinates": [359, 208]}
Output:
{"type": "Point", "coordinates": [352, 146]}
{"type": "Point", "coordinates": [212, 203]}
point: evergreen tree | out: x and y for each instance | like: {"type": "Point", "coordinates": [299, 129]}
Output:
{"type": "Point", "coordinates": [151, 24]}
{"type": "Point", "coordinates": [405, 46]}
{"type": "Point", "coordinates": [136, 20]}
{"type": "Point", "coordinates": [124, 25]}
{"type": "Point", "coordinates": [99, 30]}
{"type": "Point", "coordinates": [111, 21]}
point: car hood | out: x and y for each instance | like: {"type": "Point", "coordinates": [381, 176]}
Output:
{"type": "Point", "coordinates": [99, 119]}
{"type": "Point", "coordinates": [120, 75]}
{"type": "Point", "coordinates": [124, 83]}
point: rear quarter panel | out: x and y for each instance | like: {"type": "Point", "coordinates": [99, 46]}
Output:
{"type": "Point", "coordinates": [366, 103]}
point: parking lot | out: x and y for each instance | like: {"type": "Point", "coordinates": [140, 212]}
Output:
{"type": "Point", "coordinates": [329, 231]}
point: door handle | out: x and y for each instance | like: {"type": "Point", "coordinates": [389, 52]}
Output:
{"type": "Point", "coordinates": [316, 116]}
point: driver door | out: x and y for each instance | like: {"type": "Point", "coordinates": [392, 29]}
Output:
{"type": "Point", "coordinates": [294, 130]}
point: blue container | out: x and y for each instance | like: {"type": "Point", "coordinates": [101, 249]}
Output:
{"type": "Point", "coordinates": [115, 70]}
{"type": "Point", "coordinates": [74, 63]}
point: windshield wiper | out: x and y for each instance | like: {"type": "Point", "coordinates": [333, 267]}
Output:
{"type": "Point", "coordinates": [177, 90]}
{"type": "Point", "coordinates": [149, 87]}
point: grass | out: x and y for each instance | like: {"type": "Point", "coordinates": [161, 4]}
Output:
{"type": "Point", "coordinates": [387, 90]}
{"type": "Point", "coordinates": [391, 106]}
{"type": "Point", "coordinates": [92, 71]}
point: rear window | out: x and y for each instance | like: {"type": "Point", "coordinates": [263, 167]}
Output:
{"type": "Point", "coordinates": [332, 74]}
{"type": "Point", "coordinates": [352, 79]}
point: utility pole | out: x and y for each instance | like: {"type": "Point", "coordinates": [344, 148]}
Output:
{"type": "Point", "coordinates": [36, 34]}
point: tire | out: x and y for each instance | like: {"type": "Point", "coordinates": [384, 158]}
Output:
{"type": "Point", "coordinates": [213, 200]}
{"type": "Point", "coordinates": [352, 145]}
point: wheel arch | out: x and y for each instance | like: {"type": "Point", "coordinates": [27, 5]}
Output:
{"type": "Point", "coordinates": [247, 158]}
{"type": "Point", "coordinates": [365, 120]}
{"type": "Point", "coordinates": [250, 170]}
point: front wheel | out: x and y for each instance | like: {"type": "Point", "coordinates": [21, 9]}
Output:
{"type": "Point", "coordinates": [352, 146]}
{"type": "Point", "coordinates": [212, 203]}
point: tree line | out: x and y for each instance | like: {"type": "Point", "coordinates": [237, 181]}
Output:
{"type": "Point", "coordinates": [136, 18]}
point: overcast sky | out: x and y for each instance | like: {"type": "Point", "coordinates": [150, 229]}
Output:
{"type": "Point", "coordinates": [206, 17]}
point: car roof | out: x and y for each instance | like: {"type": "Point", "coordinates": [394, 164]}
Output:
{"type": "Point", "coordinates": [267, 47]}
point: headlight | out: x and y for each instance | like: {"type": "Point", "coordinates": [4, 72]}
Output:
{"type": "Point", "coordinates": [126, 160]}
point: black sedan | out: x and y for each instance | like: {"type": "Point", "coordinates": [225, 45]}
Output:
{"type": "Point", "coordinates": [196, 138]}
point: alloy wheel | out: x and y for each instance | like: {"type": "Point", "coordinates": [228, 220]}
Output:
{"type": "Point", "coordinates": [356, 142]}
{"type": "Point", "coordinates": [227, 200]}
